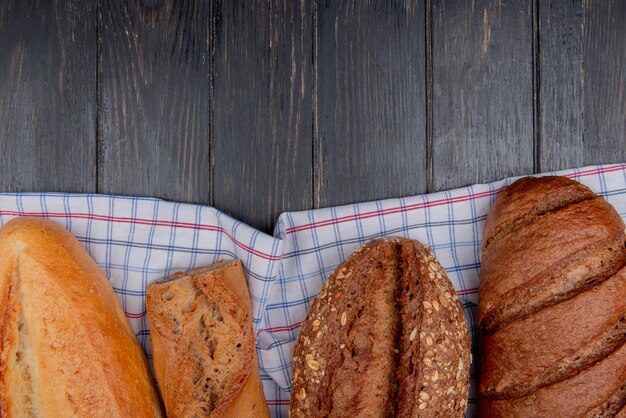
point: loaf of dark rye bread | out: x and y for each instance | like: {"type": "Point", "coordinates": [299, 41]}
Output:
{"type": "Point", "coordinates": [552, 303]}
{"type": "Point", "coordinates": [385, 337]}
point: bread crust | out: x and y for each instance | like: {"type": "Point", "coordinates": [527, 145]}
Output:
{"type": "Point", "coordinates": [589, 326]}
{"type": "Point", "coordinates": [384, 337]}
{"type": "Point", "coordinates": [574, 397]}
{"type": "Point", "coordinates": [552, 303]}
{"type": "Point", "coordinates": [203, 343]}
{"type": "Point", "coordinates": [531, 255]}
{"type": "Point", "coordinates": [67, 348]}
{"type": "Point", "coordinates": [527, 199]}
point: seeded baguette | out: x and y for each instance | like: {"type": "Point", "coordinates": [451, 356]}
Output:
{"type": "Point", "coordinates": [384, 337]}
{"type": "Point", "coordinates": [552, 303]}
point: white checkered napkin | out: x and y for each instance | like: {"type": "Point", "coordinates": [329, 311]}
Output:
{"type": "Point", "coordinates": [139, 240]}
{"type": "Point", "coordinates": [317, 241]}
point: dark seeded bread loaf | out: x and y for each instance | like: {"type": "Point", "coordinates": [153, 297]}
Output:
{"type": "Point", "coordinates": [203, 344]}
{"type": "Point", "coordinates": [553, 303]}
{"type": "Point", "coordinates": [384, 337]}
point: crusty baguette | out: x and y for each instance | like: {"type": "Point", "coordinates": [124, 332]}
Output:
{"type": "Point", "coordinates": [552, 303]}
{"type": "Point", "coordinates": [384, 337]}
{"type": "Point", "coordinates": [203, 343]}
{"type": "Point", "coordinates": [66, 346]}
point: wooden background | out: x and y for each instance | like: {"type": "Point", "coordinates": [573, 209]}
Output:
{"type": "Point", "coordinates": [258, 107]}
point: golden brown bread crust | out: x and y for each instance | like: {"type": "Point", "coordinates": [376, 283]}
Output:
{"type": "Point", "coordinates": [589, 326]}
{"type": "Point", "coordinates": [562, 280]}
{"type": "Point", "coordinates": [66, 346]}
{"type": "Point", "coordinates": [529, 198]}
{"type": "Point", "coordinates": [578, 396]}
{"type": "Point", "coordinates": [553, 303]}
{"type": "Point", "coordinates": [203, 343]}
{"type": "Point", "coordinates": [384, 337]}
{"type": "Point", "coordinates": [553, 242]}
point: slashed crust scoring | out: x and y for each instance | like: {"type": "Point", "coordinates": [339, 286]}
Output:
{"type": "Point", "coordinates": [552, 303]}
{"type": "Point", "coordinates": [386, 336]}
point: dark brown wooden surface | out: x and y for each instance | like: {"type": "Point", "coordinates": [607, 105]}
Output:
{"type": "Point", "coordinates": [154, 99]}
{"type": "Point", "coordinates": [48, 96]}
{"type": "Point", "coordinates": [369, 100]}
{"type": "Point", "coordinates": [482, 91]}
{"type": "Point", "coordinates": [582, 83]}
{"type": "Point", "coordinates": [262, 129]}
{"type": "Point", "coordinates": [258, 107]}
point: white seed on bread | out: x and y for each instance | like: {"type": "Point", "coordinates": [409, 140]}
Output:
{"type": "Point", "coordinates": [340, 345]}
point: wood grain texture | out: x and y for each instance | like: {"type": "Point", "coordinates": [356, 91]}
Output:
{"type": "Point", "coordinates": [264, 106]}
{"type": "Point", "coordinates": [482, 91]}
{"type": "Point", "coordinates": [154, 93]}
{"type": "Point", "coordinates": [582, 73]}
{"type": "Point", "coordinates": [262, 146]}
{"type": "Point", "coordinates": [369, 100]}
{"type": "Point", "coordinates": [47, 96]}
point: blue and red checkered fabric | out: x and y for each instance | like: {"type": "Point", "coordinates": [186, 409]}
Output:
{"type": "Point", "coordinates": [139, 240]}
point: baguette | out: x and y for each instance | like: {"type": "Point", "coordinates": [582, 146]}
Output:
{"type": "Point", "coordinates": [203, 343]}
{"type": "Point", "coordinates": [66, 346]}
{"type": "Point", "coordinates": [384, 337]}
{"type": "Point", "coordinates": [552, 303]}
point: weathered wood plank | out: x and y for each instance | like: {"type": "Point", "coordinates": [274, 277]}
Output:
{"type": "Point", "coordinates": [582, 90]}
{"type": "Point", "coordinates": [262, 146]}
{"type": "Point", "coordinates": [370, 100]}
{"type": "Point", "coordinates": [482, 91]}
{"type": "Point", "coordinates": [47, 96]}
{"type": "Point", "coordinates": [154, 91]}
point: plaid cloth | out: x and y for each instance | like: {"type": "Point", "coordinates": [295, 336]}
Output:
{"type": "Point", "coordinates": [139, 240]}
